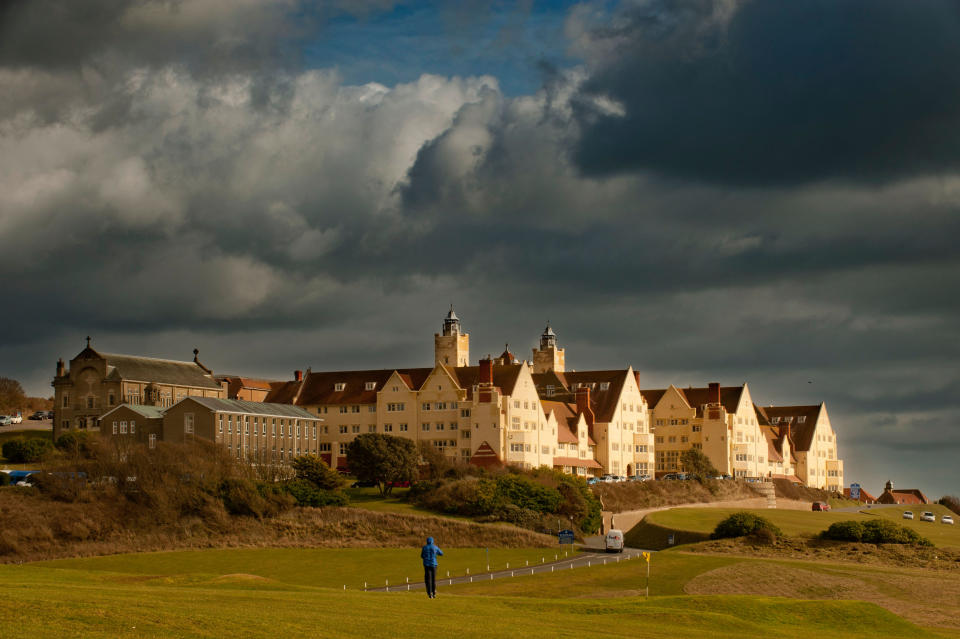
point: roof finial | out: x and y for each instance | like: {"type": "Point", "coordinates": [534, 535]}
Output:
{"type": "Point", "coordinates": [196, 353]}
{"type": "Point", "coordinates": [88, 341]}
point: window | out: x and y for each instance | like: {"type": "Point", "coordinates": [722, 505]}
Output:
{"type": "Point", "coordinates": [339, 386]}
{"type": "Point", "coordinates": [66, 400]}
{"type": "Point", "coordinates": [355, 428]}
{"type": "Point", "coordinates": [441, 405]}
{"type": "Point", "coordinates": [114, 428]}
{"type": "Point", "coordinates": [698, 446]}
{"type": "Point", "coordinates": [604, 386]}
{"type": "Point", "coordinates": [282, 424]}
{"type": "Point", "coordinates": [396, 389]}
{"type": "Point", "coordinates": [372, 428]}
{"type": "Point", "coordinates": [388, 428]}
{"type": "Point", "coordinates": [344, 409]}
{"type": "Point", "coordinates": [89, 402]}
{"type": "Point", "coordinates": [403, 428]}
{"type": "Point", "coordinates": [393, 408]}
{"type": "Point", "coordinates": [123, 428]}
{"type": "Point", "coordinates": [465, 434]}
{"type": "Point", "coordinates": [684, 439]}
{"type": "Point", "coordinates": [425, 426]}
{"type": "Point", "coordinates": [133, 427]}
{"type": "Point", "coordinates": [324, 448]}
{"type": "Point", "coordinates": [695, 428]}
{"type": "Point", "coordinates": [464, 412]}
{"type": "Point", "coordinates": [372, 408]}
{"type": "Point", "coordinates": [111, 399]}
{"type": "Point", "coordinates": [439, 425]}
{"type": "Point", "coordinates": [615, 446]}
{"type": "Point", "coordinates": [188, 424]}
{"type": "Point", "coordinates": [354, 409]}
{"type": "Point", "coordinates": [343, 449]}
{"type": "Point", "coordinates": [672, 439]}
{"type": "Point", "coordinates": [660, 439]}
{"type": "Point", "coordinates": [453, 426]}
{"type": "Point", "coordinates": [516, 448]}
{"type": "Point", "coordinates": [220, 423]}
{"type": "Point", "coordinates": [314, 431]}
{"type": "Point", "coordinates": [659, 422]}
{"type": "Point", "coordinates": [426, 406]}
{"type": "Point", "coordinates": [152, 440]}
{"type": "Point", "coordinates": [544, 450]}
{"type": "Point", "coordinates": [369, 386]}
{"type": "Point", "coordinates": [516, 403]}
{"type": "Point", "coordinates": [674, 422]}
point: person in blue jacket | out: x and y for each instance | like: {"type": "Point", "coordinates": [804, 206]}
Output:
{"type": "Point", "coordinates": [429, 554]}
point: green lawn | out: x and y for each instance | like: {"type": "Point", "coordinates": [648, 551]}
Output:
{"type": "Point", "coordinates": [331, 568]}
{"type": "Point", "coordinates": [42, 601]}
{"type": "Point", "coordinates": [801, 522]}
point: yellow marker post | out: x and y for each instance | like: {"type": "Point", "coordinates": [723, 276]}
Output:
{"type": "Point", "coordinates": [646, 556]}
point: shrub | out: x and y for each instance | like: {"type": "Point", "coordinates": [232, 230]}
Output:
{"type": "Point", "coordinates": [763, 537]}
{"type": "Point", "coordinates": [241, 497]}
{"type": "Point", "coordinates": [74, 442]}
{"type": "Point", "coordinates": [4, 479]}
{"type": "Point", "coordinates": [742, 524]}
{"type": "Point", "coordinates": [316, 471]}
{"type": "Point", "coordinates": [20, 451]}
{"type": "Point", "coordinates": [874, 531]}
{"type": "Point", "coordinates": [844, 531]}
{"type": "Point", "coordinates": [307, 494]}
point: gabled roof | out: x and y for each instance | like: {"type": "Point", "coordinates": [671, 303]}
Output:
{"type": "Point", "coordinates": [903, 496]}
{"type": "Point", "coordinates": [775, 437]}
{"type": "Point", "coordinates": [801, 430]}
{"type": "Point", "coordinates": [567, 420]}
{"type": "Point", "coordinates": [252, 408]}
{"type": "Point", "coordinates": [160, 371]}
{"type": "Point", "coordinates": [603, 402]}
{"type": "Point", "coordinates": [576, 462]}
{"type": "Point", "coordinates": [505, 377]}
{"type": "Point", "coordinates": [150, 412]}
{"type": "Point", "coordinates": [696, 397]}
{"type": "Point", "coordinates": [283, 392]}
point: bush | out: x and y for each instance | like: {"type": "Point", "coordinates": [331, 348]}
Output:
{"type": "Point", "coordinates": [874, 531]}
{"type": "Point", "coordinates": [4, 479]}
{"type": "Point", "coordinates": [25, 451]}
{"type": "Point", "coordinates": [742, 524]}
{"type": "Point", "coordinates": [844, 531]}
{"type": "Point", "coordinates": [307, 494]}
{"type": "Point", "coordinates": [763, 537]}
{"type": "Point", "coordinates": [74, 442]}
{"type": "Point", "coordinates": [316, 471]}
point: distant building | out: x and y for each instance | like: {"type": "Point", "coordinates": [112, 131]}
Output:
{"type": "Point", "coordinates": [906, 496]}
{"type": "Point", "coordinates": [247, 388]}
{"type": "Point", "coordinates": [812, 440]}
{"type": "Point", "coordinates": [97, 382]}
{"type": "Point", "coordinates": [865, 497]}
{"type": "Point", "coordinates": [250, 430]}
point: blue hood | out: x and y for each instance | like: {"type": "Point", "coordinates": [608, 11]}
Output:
{"type": "Point", "coordinates": [429, 540]}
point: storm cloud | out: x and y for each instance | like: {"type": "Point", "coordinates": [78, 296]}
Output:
{"type": "Point", "coordinates": [734, 191]}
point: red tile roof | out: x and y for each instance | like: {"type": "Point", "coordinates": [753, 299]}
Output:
{"type": "Point", "coordinates": [802, 420]}
{"type": "Point", "coordinates": [903, 496]}
{"type": "Point", "coordinates": [576, 461]}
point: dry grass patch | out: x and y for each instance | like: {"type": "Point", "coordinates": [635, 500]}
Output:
{"type": "Point", "coordinates": [923, 597]}
{"type": "Point", "coordinates": [636, 495]}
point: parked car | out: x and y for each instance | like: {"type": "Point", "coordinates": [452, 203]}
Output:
{"type": "Point", "coordinates": [907, 514]}
{"type": "Point", "coordinates": [398, 484]}
{"type": "Point", "coordinates": [49, 414]}
{"type": "Point", "coordinates": [820, 506]}
{"type": "Point", "coordinates": [607, 479]}
{"type": "Point", "coordinates": [613, 542]}
{"type": "Point", "coordinates": [640, 478]}
{"type": "Point", "coordinates": [5, 420]}
{"type": "Point", "coordinates": [363, 484]}
{"type": "Point", "coordinates": [928, 516]}
{"type": "Point", "coordinates": [16, 419]}
{"type": "Point", "coordinates": [946, 519]}
{"type": "Point", "coordinates": [40, 414]}
{"type": "Point", "coordinates": [593, 480]}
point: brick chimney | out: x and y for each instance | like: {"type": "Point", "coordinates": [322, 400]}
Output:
{"type": "Point", "coordinates": [61, 368]}
{"type": "Point", "coordinates": [785, 430]}
{"type": "Point", "coordinates": [298, 376]}
{"type": "Point", "coordinates": [583, 405]}
{"type": "Point", "coordinates": [486, 371]}
{"type": "Point", "coordinates": [713, 393]}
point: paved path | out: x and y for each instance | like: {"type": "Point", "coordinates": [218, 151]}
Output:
{"type": "Point", "coordinates": [581, 557]}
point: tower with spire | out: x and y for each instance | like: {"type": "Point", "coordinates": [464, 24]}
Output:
{"type": "Point", "coordinates": [451, 347]}
{"type": "Point", "coordinates": [548, 357]}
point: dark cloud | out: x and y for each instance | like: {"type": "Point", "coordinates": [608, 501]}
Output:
{"type": "Point", "coordinates": [279, 218]}
{"type": "Point", "coordinates": [760, 93]}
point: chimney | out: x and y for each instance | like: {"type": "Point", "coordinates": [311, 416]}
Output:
{"type": "Point", "coordinates": [583, 405]}
{"type": "Point", "coordinates": [785, 430]}
{"type": "Point", "coordinates": [636, 375]}
{"type": "Point", "coordinates": [486, 372]}
{"type": "Point", "coordinates": [61, 369]}
{"type": "Point", "coordinates": [298, 376]}
{"type": "Point", "coordinates": [713, 393]}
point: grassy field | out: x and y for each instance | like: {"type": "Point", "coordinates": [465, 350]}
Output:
{"type": "Point", "coordinates": [370, 499]}
{"type": "Point", "coordinates": [800, 522]}
{"type": "Point", "coordinates": [330, 568]}
{"type": "Point", "coordinates": [223, 593]}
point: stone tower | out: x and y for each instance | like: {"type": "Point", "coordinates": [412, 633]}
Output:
{"type": "Point", "coordinates": [548, 357]}
{"type": "Point", "coordinates": [451, 348]}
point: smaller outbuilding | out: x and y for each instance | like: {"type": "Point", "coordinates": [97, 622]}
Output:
{"type": "Point", "coordinates": [910, 496]}
{"type": "Point", "coordinates": [132, 423]}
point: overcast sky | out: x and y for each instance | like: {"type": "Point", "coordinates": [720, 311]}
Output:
{"type": "Point", "coordinates": [722, 190]}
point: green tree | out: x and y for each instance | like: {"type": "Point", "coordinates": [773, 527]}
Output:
{"type": "Point", "coordinates": [12, 396]}
{"type": "Point", "coordinates": [315, 470]}
{"type": "Point", "coordinates": [382, 459]}
{"type": "Point", "coordinates": [75, 443]}
{"type": "Point", "coordinates": [694, 461]}
{"type": "Point", "coordinates": [20, 451]}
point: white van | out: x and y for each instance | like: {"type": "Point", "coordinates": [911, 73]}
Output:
{"type": "Point", "coordinates": [613, 542]}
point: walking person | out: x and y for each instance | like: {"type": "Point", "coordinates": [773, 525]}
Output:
{"type": "Point", "coordinates": [429, 554]}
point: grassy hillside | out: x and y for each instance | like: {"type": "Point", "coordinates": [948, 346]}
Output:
{"type": "Point", "coordinates": [799, 522]}
{"type": "Point", "coordinates": [189, 595]}
{"type": "Point", "coordinates": [633, 495]}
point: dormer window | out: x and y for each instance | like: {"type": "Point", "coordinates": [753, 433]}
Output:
{"type": "Point", "coordinates": [604, 385]}
{"type": "Point", "coordinates": [370, 386]}
{"type": "Point", "coordinates": [339, 386]}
